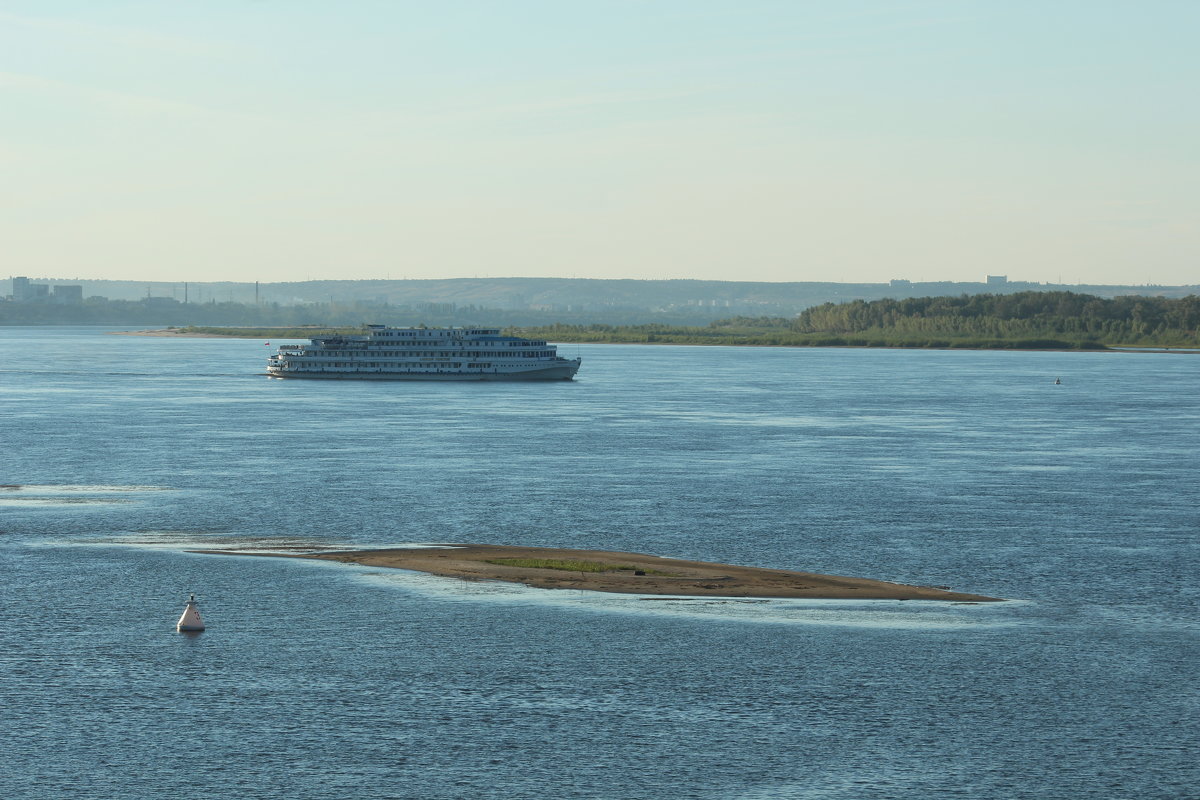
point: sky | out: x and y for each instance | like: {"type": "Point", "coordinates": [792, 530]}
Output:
{"type": "Point", "coordinates": [801, 140]}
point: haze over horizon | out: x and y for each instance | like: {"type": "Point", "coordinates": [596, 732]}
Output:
{"type": "Point", "coordinates": [760, 140]}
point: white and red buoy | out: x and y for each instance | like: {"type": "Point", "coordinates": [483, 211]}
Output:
{"type": "Point", "coordinates": [190, 622]}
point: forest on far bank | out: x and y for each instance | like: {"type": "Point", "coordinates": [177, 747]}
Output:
{"type": "Point", "coordinates": [1025, 320]}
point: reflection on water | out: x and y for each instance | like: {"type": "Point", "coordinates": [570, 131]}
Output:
{"type": "Point", "coordinates": [58, 501]}
{"type": "Point", "coordinates": [852, 613]}
{"type": "Point", "coordinates": [69, 495]}
{"type": "Point", "coordinates": [18, 489]}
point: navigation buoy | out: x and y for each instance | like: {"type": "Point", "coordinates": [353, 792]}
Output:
{"type": "Point", "coordinates": [190, 622]}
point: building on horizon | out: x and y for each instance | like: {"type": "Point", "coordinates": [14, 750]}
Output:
{"type": "Point", "coordinates": [67, 294]}
{"type": "Point", "coordinates": [23, 291]}
{"type": "Point", "coordinates": [62, 293]}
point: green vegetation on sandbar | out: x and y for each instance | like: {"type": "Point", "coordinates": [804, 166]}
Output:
{"type": "Point", "coordinates": [1019, 321]}
{"type": "Point", "coordinates": [569, 565]}
{"type": "Point", "coordinates": [305, 332]}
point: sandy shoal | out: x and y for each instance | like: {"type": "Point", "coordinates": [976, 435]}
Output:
{"type": "Point", "coordinates": [664, 576]}
{"type": "Point", "coordinates": [179, 334]}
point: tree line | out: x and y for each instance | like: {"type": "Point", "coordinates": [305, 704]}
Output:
{"type": "Point", "coordinates": [1024, 320]}
{"type": "Point", "coordinates": [163, 311]}
{"type": "Point", "coordinates": [1075, 318]}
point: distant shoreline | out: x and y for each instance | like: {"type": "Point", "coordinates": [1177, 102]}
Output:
{"type": "Point", "coordinates": [180, 334]}
{"type": "Point", "coordinates": [266, 334]}
{"type": "Point", "coordinates": [626, 573]}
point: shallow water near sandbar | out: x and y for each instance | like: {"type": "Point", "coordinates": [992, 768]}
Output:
{"type": "Point", "coordinates": [322, 680]}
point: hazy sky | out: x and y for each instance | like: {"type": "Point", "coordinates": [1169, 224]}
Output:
{"type": "Point", "coordinates": [752, 140]}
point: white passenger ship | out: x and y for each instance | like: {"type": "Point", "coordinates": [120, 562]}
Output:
{"type": "Point", "coordinates": [423, 354]}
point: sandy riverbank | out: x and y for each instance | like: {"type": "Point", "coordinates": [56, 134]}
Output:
{"type": "Point", "coordinates": [662, 576]}
{"type": "Point", "coordinates": [179, 334]}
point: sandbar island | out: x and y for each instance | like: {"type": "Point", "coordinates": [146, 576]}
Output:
{"type": "Point", "coordinates": [629, 573]}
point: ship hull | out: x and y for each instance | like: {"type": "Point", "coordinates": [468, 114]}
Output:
{"type": "Point", "coordinates": [549, 374]}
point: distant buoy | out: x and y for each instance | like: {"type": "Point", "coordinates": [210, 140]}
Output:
{"type": "Point", "coordinates": [190, 622]}
{"type": "Point", "coordinates": [1057, 381]}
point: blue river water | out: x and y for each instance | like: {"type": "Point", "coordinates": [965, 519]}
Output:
{"type": "Point", "coordinates": [1078, 502]}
